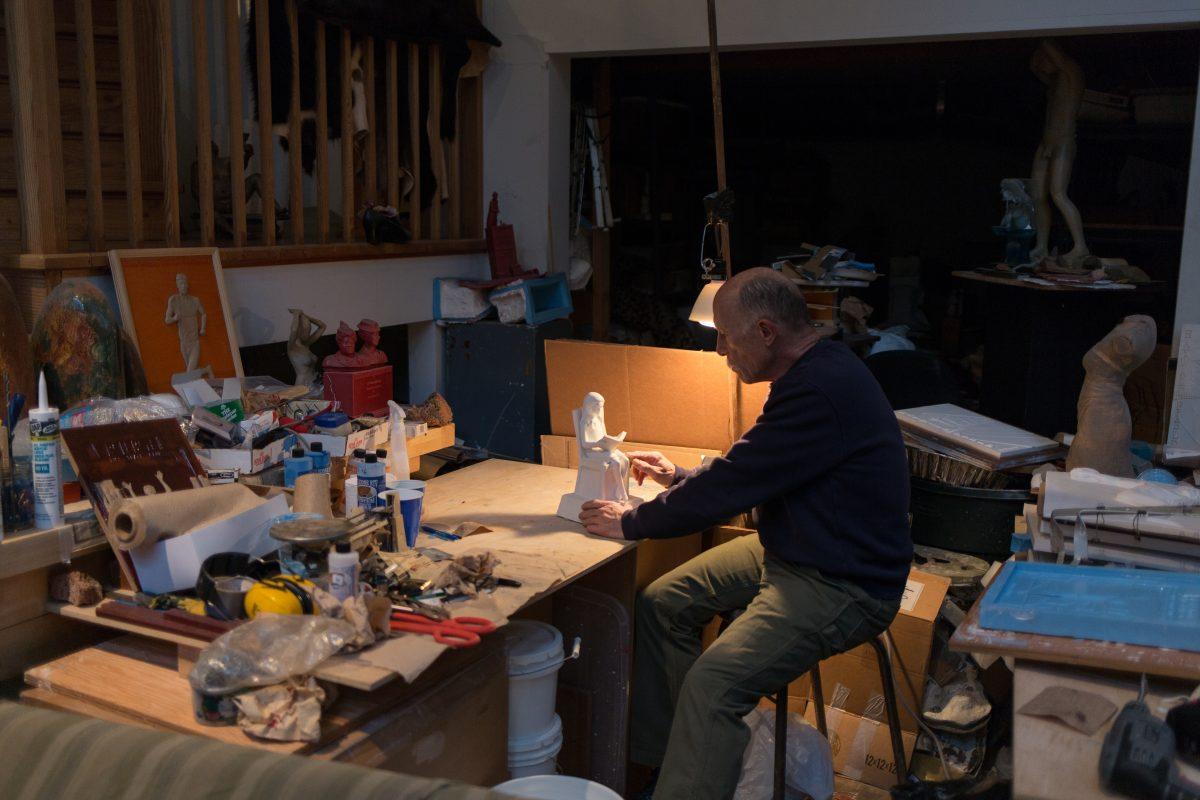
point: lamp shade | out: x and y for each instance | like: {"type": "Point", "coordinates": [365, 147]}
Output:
{"type": "Point", "coordinates": [702, 311]}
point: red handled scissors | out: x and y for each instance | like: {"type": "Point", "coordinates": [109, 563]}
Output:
{"type": "Point", "coordinates": [450, 631]}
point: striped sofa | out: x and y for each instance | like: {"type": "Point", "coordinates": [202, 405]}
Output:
{"type": "Point", "coordinates": [55, 756]}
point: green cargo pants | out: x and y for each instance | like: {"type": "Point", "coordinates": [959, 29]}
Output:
{"type": "Point", "coordinates": [687, 706]}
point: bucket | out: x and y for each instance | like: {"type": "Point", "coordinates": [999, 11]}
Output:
{"type": "Point", "coordinates": [555, 787]}
{"type": "Point", "coordinates": [537, 754]}
{"type": "Point", "coordinates": [535, 654]}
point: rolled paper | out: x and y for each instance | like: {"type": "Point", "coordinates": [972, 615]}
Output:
{"type": "Point", "coordinates": [312, 495]}
{"type": "Point", "coordinates": [138, 521]}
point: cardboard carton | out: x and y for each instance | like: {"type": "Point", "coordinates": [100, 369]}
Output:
{"type": "Point", "coordinates": [563, 451]}
{"type": "Point", "coordinates": [862, 748]}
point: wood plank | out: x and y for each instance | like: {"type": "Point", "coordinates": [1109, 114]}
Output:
{"type": "Point", "coordinates": [75, 168]}
{"type": "Point", "coordinates": [37, 124]}
{"type": "Point", "coordinates": [393, 131]}
{"type": "Point", "coordinates": [321, 167]}
{"type": "Point", "coordinates": [204, 165]}
{"type": "Point", "coordinates": [108, 101]}
{"type": "Point", "coordinates": [41, 638]}
{"type": "Point", "coordinates": [129, 117]}
{"type": "Point", "coordinates": [115, 220]}
{"type": "Point", "coordinates": [90, 122]}
{"type": "Point", "coordinates": [347, 143]}
{"type": "Point", "coordinates": [295, 167]}
{"type": "Point", "coordinates": [456, 197]}
{"type": "Point", "coordinates": [437, 153]}
{"type": "Point", "coordinates": [414, 138]}
{"type": "Point", "coordinates": [471, 132]}
{"type": "Point", "coordinates": [370, 165]}
{"type": "Point", "coordinates": [108, 71]}
{"type": "Point", "coordinates": [23, 597]}
{"type": "Point", "coordinates": [170, 156]}
{"type": "Point", "coordinates": [233, 77]}
{"type": "Point", "coordinates": [26, 551]}
{"type": "Point", "coordinates": [266, 139]}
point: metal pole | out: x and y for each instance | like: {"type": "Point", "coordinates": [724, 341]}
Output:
{"type": "Point", "coordinates": [714, 67]}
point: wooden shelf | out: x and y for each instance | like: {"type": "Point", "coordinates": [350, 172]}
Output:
{"type": "Point", "coordinates": [28, 550]}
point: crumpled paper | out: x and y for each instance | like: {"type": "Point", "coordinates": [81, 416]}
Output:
{"type": "Point", "coordinates": [367, 612]}
{"type": "Point", "coordinates": [468, 574]}
{"type": "Point", "coordinates": [285, 712]}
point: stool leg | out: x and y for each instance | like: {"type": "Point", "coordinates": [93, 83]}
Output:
{"type": "Point", "coordinates": [818, 698]}
{"type": "Point", "coordinates": [893, 714]}
{"type": "Point", "coordinates": [781, 713]}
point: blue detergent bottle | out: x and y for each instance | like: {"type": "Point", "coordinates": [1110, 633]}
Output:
{"type": "Point", "coordinates": [372, 479]}
{"type": "Point", "coordinates": [296, 465]}
{"type": "Point", "coordinates": [320, 458]}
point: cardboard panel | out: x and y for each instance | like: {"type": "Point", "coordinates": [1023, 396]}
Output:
{"type": "Point", "coordinates": [561, 451]}
{"type": "Point", "coordinates": [862, 749]}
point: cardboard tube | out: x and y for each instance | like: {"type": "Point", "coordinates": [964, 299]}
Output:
{"type": "Point", "coordinates": [138, 521]}
{"type": "Point", "coordinates": [312, 494]}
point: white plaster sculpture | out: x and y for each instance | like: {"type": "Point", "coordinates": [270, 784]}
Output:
{"type": "Point", "coordinates": [305, 331]}
{"type": "Point", "coordinates": [1055, 155]}
{"type": "Point", "coordinates": [1104, 429]}
{"type": "Point", "coordinates": [603, 469]}
{"type": "Point", "coordinates": [187, 312]}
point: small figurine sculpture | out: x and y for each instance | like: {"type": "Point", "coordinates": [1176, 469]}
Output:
{"type": "Point", "coordinates": [305, 331]}
{"type": "Point", "coordinates": [186, 311]}
{"type": "Point", "coordinates": [1105, 427]}
{"type": "Point", "coordinates": [1055, 155]}
{"type": "Point", "coordinates": [603, 469]}
{"type": "Point", "coordinates": [368, 334]}
{"type": "Point", "coordinates": [1016, 227]}
{"type": "Point", "coordinates": [345, 358]}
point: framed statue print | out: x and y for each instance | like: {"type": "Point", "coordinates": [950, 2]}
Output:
{"type": "Point", "coordinates": [174, 308]}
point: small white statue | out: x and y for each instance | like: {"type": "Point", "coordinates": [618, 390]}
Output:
{"type": "Point", "coordinates": [305, 331]}
{"type": "Point", "coordinates": [603, 469]}
{"type": "Point", "coordinates": [186, 311]}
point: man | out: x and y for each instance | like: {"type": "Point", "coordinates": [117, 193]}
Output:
{"type": "Point", "coordinates": [825, 472]}
{"type": "Point", "coordinates": [187, 312]}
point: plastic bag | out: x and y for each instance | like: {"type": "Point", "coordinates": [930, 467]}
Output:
{"type": "Point", "coordinates": [809, 760]}
{"type": "Point", "coordinates": [266, 650]}
{"type": "Point", "coordinates": [106, 411]}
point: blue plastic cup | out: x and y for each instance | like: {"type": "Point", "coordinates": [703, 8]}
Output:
{"type": "Point", "coordinates": [415, 485]}
{"type": "Point", "coordinates": [410, 509]}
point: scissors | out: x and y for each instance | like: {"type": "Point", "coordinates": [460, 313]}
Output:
{"type": "Point", "coordinates": [447, 630]}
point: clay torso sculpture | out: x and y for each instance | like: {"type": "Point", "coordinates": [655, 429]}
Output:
{"type": "Point", "coordinates": [305, 331]}
{"type": "Point", "coordinates": [603, 469]}
{"type": "Point", "coordinates": [1105, 427]}
{"type": "Point", "coordinates": [186, 312]}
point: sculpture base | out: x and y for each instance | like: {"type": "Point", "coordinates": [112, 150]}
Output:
{"type": "Point", "coordinates": [360, 391]}
{"type": "Point", "coordinates": [570, 504]}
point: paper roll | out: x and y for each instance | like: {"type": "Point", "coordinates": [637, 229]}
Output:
{"type": "Point", "coordinates": [138, 521]}
{"type": "Point", "coordinates": [312, 494]}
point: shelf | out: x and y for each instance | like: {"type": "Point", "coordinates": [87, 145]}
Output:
{"type": "Point", "coordinates": [31, 549]}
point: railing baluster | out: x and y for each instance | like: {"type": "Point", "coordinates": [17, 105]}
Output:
{"type": "Point", "coordinates": [204, 166]}
{"type": "Point", "coordinates": [166, 86]}
{"type": "Point", "coordinates": [295, 167]}
{"type": "Point", "coordinates": [233, 74]}
{"type": "Point", "coordinates": [322, 162]}
{"type": "Point", "coordinates": [90, 113]}
{"type": "Point", "coordinates": [266, 138]}
{"type": "Point", "coordinates": [414, 137]}
{"type": "Point", "coordinates": [393, 131]}
{"type": "Point", "coordinates": [347, 142]}
{"type": "Point", "coordinates": [131, 130]}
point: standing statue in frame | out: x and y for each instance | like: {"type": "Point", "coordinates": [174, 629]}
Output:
{"type": "Point", "coordinates": [187, 312]}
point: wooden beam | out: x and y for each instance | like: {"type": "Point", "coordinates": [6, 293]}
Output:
{"type": "Point", "coordinates": [233, 75]}
{"type": "Point", "coordinates": [393, 132]}
{"type": "Point", "coordinates": [347, 142]}
{"type": "Point", "coordinates": [266, 140]}
{"type": "Point", "coordinates": [456, 170]}
{"type": "Point", "coordinates": [89, 110]}
{"type": "Point", "coordinates": [433, 128]}
{"type": "Point", "coordinates": [127, 38]}
{"type": "Point", "coordinates": [471, 132]}
{"type": "Point", "coordinates": [369, 155]}
{"type": "Point", "coordinates": [204, 170]}
{"type": "Point", "coordinates": [414, 138]}
{"type": "Point", "coordinates": [602, 239]}
{"type": "Point", "coordinates": [322, 163]}
{"type": "Point", "coordinates": [170, 156]}
{"type": "Point", "coordinates": [295, 167]}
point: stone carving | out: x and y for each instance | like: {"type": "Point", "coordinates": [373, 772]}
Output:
{"type": "Point", "coordinates": [186, 312]}
{"type": "Point", "coordinates": [305, 331]}
{"type": "Point", "coordinates": [603, 469]}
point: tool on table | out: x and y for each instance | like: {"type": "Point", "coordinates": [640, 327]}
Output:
{"type": "Point", "coordinates": [438, 533]}
{"type": "Point", "coordinates": [446, 630]}
{"type": "Point", "coordinates": [1138, 756]}
{"type": "Point", "coordinates": [280, 594]}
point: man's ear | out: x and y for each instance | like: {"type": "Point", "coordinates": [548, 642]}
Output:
{"type": "Point", "coordinates": [768, 331]}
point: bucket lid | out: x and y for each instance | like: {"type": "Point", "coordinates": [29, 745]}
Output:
{"type": "Point", "coordinates": [532, 646]}
{"type": "Point", "coordinates": [555, 787]}
{"type": "Point", "coordinates": [540, 744]}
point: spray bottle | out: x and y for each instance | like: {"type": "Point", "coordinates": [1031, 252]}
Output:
{"type": "Point", "coordinates": [47, 461]}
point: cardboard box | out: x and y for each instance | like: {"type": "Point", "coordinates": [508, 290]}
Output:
{"type": "Point", "coordinates": [680, 398]}
{"type": "Point", "coordinates": [862, 749]}
{"type": "Point", "coordinates": [563, 451]}
{"type": "Point", "coordinates": [246, 460]}
{"type": "Point", "coordinates": [370, 438]}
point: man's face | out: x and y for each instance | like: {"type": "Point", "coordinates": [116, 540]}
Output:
{"type": "Point", "coordinates": [742, 341]}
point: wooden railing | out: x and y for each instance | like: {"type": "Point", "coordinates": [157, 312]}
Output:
{"type": "Point", "coordinates": [126, 177]}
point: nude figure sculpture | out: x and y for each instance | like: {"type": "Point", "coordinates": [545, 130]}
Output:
{"type": "Point", "coordinates": [1055, 155]}
{"type": "Point", "coordinates": [1102, 437]}
{"type": "Point", "coordinates": [603, 469]}
{"type": "Point", "coordinates": [305, 331]}
{"type": "Point", "coordinates": [187, 312]}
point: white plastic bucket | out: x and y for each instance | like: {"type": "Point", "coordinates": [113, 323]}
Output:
{"type": "Point", "coordinates": [537, 754]}
{"type": "Point", "coordinates": [556, 787]}
{"type": "Point", "coordinates": [535, 654]}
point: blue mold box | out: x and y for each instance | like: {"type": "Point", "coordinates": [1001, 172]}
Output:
{"type": "Point", "coordinates": [1130, 606]}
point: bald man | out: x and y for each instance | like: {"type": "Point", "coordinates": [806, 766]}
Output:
{"type": "Point", "coordinates": [825, 473]}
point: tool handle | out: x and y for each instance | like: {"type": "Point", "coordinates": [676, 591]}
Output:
{"type": "Point", "coordinates": [477, 625]}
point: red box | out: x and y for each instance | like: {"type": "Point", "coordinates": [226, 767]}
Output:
{"type": "Point", "coordinates": [360, 391]}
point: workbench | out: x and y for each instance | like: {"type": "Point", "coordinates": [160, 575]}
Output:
{"type": "Point", "coordinates": [517, 501]}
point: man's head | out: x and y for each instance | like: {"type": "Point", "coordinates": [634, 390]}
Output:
{"type": "Point", "coordinates": [762, 324]}
{"type": "Point", "coordinates": [181, 283]}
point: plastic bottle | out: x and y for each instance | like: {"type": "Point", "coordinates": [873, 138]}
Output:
{"type": "Point", "coordinates": [47, 461]}
{"type": "Point", "coordinates": [372, 479]}
{"type": "Point", "coordinates": [319, 457]}
{"type": "Point", "coordinates": [343, 571]}
{"type": "Point", "coordinates": [355, 459]}
{"type": "Point", "coordinates": [295, 465]}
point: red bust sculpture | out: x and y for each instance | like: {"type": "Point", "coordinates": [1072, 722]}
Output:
{"type": "Point", "coordinates": [369, 355]}
{"type": "Point", "coordinates": [368, 334]}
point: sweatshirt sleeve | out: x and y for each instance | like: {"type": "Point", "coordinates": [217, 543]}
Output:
{"type": "Point", "coordinates": [796, 438]}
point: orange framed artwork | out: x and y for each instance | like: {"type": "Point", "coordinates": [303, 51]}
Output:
{"type": "Point", "coordinates": [173, 307]}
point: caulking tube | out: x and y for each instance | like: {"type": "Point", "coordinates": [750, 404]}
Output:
{"type": "Point", "coordinates": [47, 461]}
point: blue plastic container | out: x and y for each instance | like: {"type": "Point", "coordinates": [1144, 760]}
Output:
{"type": "Point", "coordinates": [372, 479]}
{"type": "Point", "coordinates": [295, 465]}
{"type": "Point", "coordinates": [319, 457]}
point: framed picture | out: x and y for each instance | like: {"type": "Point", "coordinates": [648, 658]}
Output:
{"type": "Point", "coordinates": [173, 307]}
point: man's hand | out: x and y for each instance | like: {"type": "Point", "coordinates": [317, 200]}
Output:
{"type": "Point", "coordinates": [650, 464]}
{"type": "Point", "coordinates": [603, 518]}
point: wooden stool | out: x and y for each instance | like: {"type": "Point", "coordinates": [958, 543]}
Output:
{"type": "Point", "coordinates": [818, 699]}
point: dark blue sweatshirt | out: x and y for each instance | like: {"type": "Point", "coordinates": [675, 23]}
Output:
{"type": "Point", "coordinates": [823, 468]}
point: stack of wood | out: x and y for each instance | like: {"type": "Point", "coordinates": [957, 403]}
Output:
{"type": "Point", "coordinates": [974, 439]}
